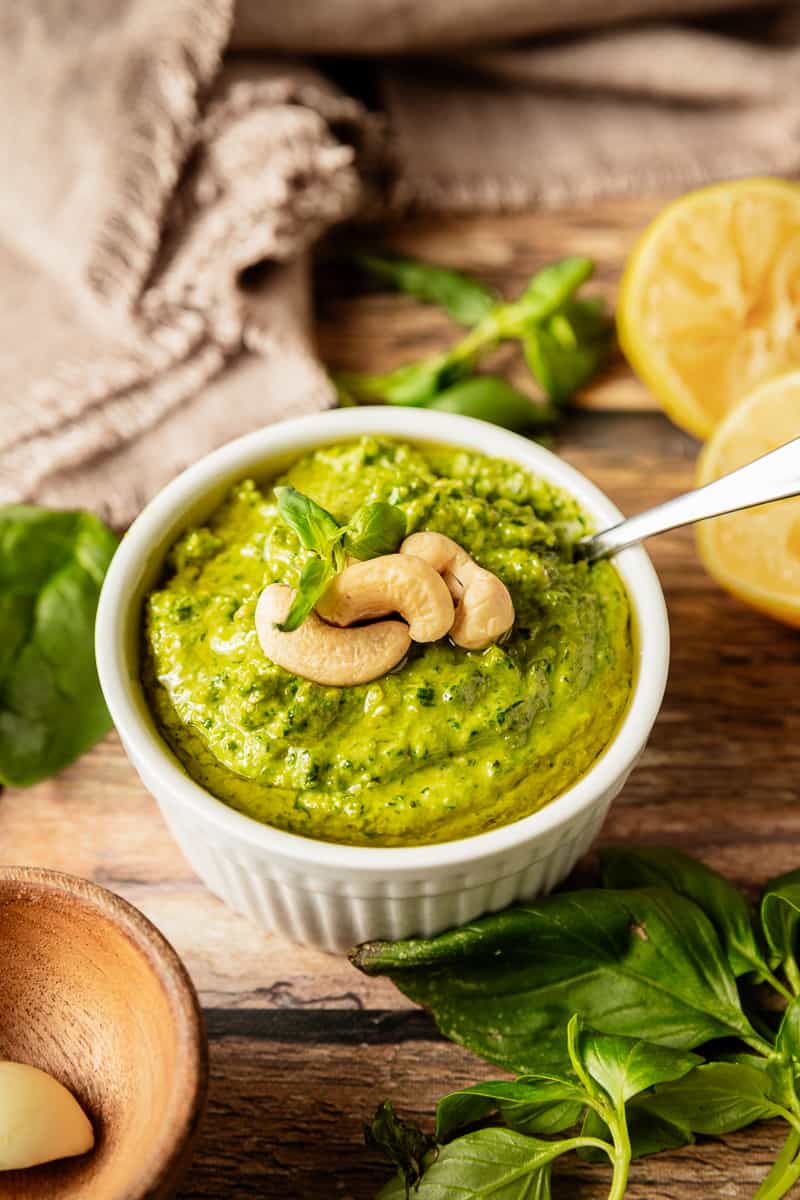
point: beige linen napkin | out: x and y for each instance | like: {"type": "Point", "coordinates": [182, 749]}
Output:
{"type": "Point", "coordinates": [142, 176]}
{"type": "Point", "coordinates": [144, 172]}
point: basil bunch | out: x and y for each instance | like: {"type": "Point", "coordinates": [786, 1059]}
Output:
{"type": "Point", "coordinates": [565, 339]}
{"type": "Point", "coordinates": [375, 529]}
{"type": "Point", "coordinates": [600, 1001]}
{"type": "Point", "coordinates": [52, 565]}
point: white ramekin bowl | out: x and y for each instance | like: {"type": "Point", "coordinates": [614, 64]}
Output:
{"type": "Point", "coordinates": [330, 895]}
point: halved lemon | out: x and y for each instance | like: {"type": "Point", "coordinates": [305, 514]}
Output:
{"type": "Point", "coordinates": [709, 303]}
{"type": "Point", "coordinates": [755, 554]}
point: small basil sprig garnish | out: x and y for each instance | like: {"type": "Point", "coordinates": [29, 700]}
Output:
{"type": "Point", "coordinates": [676, 1047]}
{"type": "Point", "coordinates": [374, 529]}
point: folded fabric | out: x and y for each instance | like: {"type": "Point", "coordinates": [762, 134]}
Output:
{"type": "Point", "coordinates": [147, 170]}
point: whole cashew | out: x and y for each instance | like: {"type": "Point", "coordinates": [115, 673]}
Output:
{"type": "Point", "coordinates": [391, 583]}
{"type": "Point", "coordinates": [322, 653]}
{"type": "Point", "coordinates": [484, 608]}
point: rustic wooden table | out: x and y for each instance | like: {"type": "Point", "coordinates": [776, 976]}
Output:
{"type": "Point", "coordinates": [303, 1047]}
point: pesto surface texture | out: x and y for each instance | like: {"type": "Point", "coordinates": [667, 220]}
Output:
{"type": "Point", "coordinates": [450, 744]}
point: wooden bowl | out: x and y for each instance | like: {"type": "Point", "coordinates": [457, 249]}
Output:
{"type": "Point", "coordinates": [91, 992]}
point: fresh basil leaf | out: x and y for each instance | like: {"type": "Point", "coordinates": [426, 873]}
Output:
{"type": "Point", "coordinates": [713, 1099]}
{"type": "Point", "coordinates": [313, 524]}
{"type": "Point", "coordinates": [560, 370]}
{"type": "Point", "coordinates": [553, 286]}
{"type": "Point", "coordinates": [375, 529]}
{"type": "Point", "coordinates": [464, 299]}
{"type": "Point", "coordinates": [506, 985]}
{"type": "Point", "coordinates": [403, 1142]}
{"type": "Point", "coordinates": [52, 565]}
{"type": "Point", "coordinates": [412, 384]}
{"type": "Point", "coordinates": [314, 578]}
{"type": "Point", "coordinates": [530, 1104]}
{"type": "Point", "coordinates": [489, 1162]}
{"type": "Point", "coordinates": [723, 904]}
{"type": "Point", "coordinates": [490, 398]}
{"type": "Point", "coordinates": [780, 916]}
{"type": "Point", "coordinates": [625, 1066]}
{"type": "Point", "coordinates": [716, 1098]}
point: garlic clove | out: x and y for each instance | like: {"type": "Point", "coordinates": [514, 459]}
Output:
{"type": "Point", "coordinates": [39, 1119]}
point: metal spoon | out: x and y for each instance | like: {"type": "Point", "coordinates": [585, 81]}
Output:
{"type": "Point", "coordinates": [774, 476]}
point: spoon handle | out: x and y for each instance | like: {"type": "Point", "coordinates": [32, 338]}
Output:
{"type": "Point", "coordinates": [774, 476]}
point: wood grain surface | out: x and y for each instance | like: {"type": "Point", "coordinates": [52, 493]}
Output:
{"type": "Point", "coordinates": [302, 1047]}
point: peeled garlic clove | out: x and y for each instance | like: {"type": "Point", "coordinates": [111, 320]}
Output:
{"type": "Point", "coordinates": [39, 1119]}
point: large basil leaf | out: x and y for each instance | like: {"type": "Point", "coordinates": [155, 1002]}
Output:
{"type": "Point", "coordinates": [780, 915]}
{"type": "Point", "coordinates": [505, 986]}
{"type": "Point", "coordinates": [530, 1104]}
{"type": "Point", "coordinates": [490, 1162]}
{"type": "Point", "coordinates": [52, 566]}
{"type": "Point", "coordinates": [723, 904]}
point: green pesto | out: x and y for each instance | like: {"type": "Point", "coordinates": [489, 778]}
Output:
{"type": "Point", "coordinates": [450, 744]}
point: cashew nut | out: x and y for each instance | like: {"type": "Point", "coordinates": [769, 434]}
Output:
{"type": "Point", "coordinates": [391, 583]}
{"type": "Point", "coordinates": [484, 609]}
{"type": "Point", "coordinates": [322, 653]}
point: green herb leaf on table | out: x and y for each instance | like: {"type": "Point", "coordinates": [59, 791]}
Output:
{"type": "Point", "coordinates": [565, 338]}
{"type": "Point", "coordinates": [52, 566]}
{"type": "Point", "coordinates": [561, 358]}
{"type": "Point", "coordinates": [506, 985]}
{"type": "Point", "coordinates": [715, 1098]}
{"type": "Point", "coordinates": [412, 384]}
{"type": "Point", "coordinates": [491, 398]}
{"type": "Point", "coordinates": [723, 904]}
{"type": "Point", "coordinates": [625, 1066]}
{"type": "Point", "coordinates": [403, 1142]}
{"type": "Point", "coordinates": [489, 1162]}
{"type": "Point", "coordinates": [530, 1104]}
{"type": "Point", "coordinates": [648, 969]}
{"type": "Point", "coordinates": [464, 299]}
